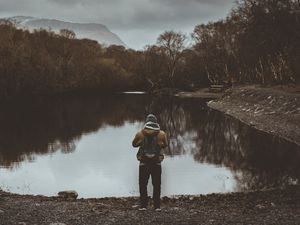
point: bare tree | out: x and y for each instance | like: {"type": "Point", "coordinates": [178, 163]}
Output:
{"type": "Point", "coordinates": [173, 45]}
{"type": "Point", "coordinates": [67, 33]}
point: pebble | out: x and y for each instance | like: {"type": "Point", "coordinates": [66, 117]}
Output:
{"type": "Point", "coordinates": [57, 224]}
{"type": "Point", "coordinates": [1, 211]}
{"type": "Point", "coordinates": [259, 206]}
{"type": "Point", "coordinates": [99, 204]}
{"type": "Point", "coordinates": [135, 206]}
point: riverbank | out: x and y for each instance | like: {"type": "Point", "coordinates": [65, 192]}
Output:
{"type": "Point", "coordinates": [275, 110]}
{"type": "Point", "coordinates": [261, 207]}
{"type": "Point", "coordinates": [203, 93]}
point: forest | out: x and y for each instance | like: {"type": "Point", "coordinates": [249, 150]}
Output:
{"type": "Point", "coordinates": [257, 43]}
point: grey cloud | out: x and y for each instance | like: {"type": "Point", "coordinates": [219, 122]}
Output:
{"type": "Point", "coordinates": [65, 2]}
{"type": "Point", "coordinates": [124, 16]}
{"type": "Point", "coordinates": [133, 14]}
{"type": "Point", "coordinates": [11, 6]}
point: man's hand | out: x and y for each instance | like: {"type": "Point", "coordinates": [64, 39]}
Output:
{"type": "Point", "coordinates": [138, 139]}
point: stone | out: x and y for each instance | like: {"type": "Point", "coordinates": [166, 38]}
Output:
{"type": "Point", "coordinates": [135, 206]}
{"type": "Point", "coordinates": [259, 206]}
{"type": "Point", "coordinates": [57, 224]}
{"type": "Point", "coordinates": [68, 194]}
{"type": "Point", "coordinates": [1, 211]}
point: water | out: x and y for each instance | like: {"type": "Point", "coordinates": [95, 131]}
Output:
{"type": "Point", "coordinates": [83, 143]}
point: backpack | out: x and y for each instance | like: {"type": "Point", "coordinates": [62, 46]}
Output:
{"type": "Point", "coordinates": [150, 148]}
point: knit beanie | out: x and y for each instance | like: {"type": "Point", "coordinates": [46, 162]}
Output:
{"type": "Point", "coordinates": [151, 118]}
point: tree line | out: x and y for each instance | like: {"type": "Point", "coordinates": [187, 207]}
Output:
{"type": "Point", "coordinates": [258, 42]}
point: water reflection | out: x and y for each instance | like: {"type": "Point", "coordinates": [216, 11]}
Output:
{"type": "Point", "coordinates": [257, 159]}
{"type": "Point", "coordinates": [31, 130]}
{"type": "Point", "coordinates": [43, 126]}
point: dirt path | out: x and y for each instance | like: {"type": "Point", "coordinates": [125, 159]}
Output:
{"type": "Point", "coordinates": [274, 110]}
{"type": "Point", "coordinates": [280, 207]}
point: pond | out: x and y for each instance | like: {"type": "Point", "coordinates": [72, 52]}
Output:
{"type": "Point", "coordinates": [82, 142]}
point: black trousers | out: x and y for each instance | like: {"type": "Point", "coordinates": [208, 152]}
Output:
{"type": "Point", "coordinates": [145, 171]}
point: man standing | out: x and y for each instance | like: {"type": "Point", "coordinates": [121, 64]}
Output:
{"type": "Point", "coordinates": [151, 141]}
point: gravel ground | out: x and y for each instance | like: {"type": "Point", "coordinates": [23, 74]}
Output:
{"type": "Point", "coordinates": [280, 207]}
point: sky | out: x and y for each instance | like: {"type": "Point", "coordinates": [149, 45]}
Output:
{"type": "Point", "coordinates": [137, 22]}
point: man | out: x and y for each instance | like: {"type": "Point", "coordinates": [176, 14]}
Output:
{"type": "Point", "coordinates": [151, 141]}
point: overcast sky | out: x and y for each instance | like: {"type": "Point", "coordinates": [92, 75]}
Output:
{"type": "Point", "coordinates": [136, 22]}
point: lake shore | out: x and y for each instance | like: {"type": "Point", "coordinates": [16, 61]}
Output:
{"type": "Point", "coordinates": [262, 207]}
{"type": "Point", "coordinates": [275, 110]}
{"type": "Point", "coordinates": [203, 93]}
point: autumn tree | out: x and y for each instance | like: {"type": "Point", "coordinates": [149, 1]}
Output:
{"type": "Point", "coordinates": [257, 43]}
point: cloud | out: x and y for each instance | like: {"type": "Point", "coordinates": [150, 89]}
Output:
{"type": "Point", "coordinates": [124, 16]}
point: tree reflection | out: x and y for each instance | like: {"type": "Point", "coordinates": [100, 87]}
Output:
{"type": "Point", "coordinates": [257, 160]}
{"type": "Point", "coordinates": [47, 125]}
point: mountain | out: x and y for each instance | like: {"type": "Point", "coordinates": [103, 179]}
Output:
{"type": "Point", "coordinates": [92, 31]}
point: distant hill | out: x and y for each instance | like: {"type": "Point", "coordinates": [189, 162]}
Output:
{"type": "Point", "coordinates": [92, 31]}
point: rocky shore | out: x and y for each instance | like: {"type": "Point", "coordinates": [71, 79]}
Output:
{"type": "Point", "coordinates": [275, 207]}
{"type": "Point", "coordinates": [275, 110]}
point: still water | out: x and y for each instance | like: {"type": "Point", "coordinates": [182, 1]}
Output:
{"type": "Point", "coordinates": [83, 143]}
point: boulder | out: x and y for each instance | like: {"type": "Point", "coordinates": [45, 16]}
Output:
{"type": "Point", "coordinates": [68, 194]}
